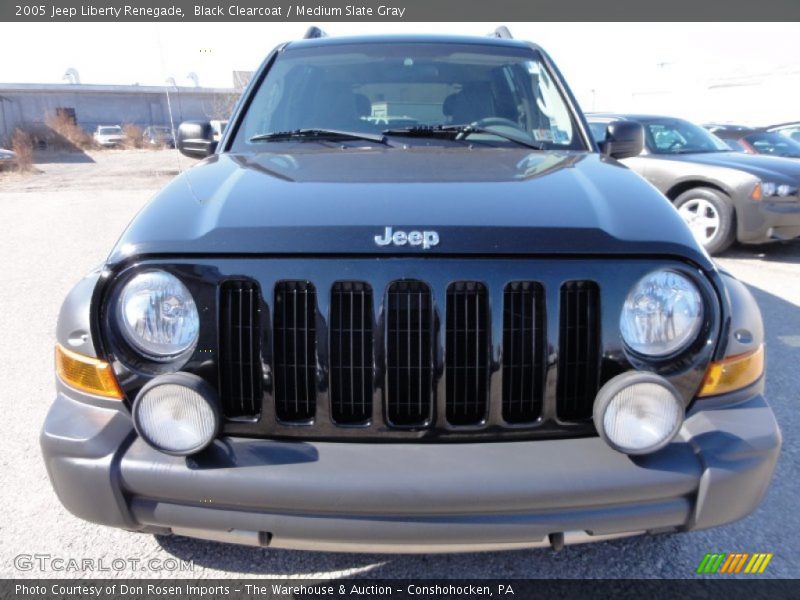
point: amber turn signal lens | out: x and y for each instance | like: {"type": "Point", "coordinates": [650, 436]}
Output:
{"type": "Point", "coordinates": [733, 373]}
{"type": "Point", "coordinates": [757, 193]}
{"type": "Point", "coordinates": [86, 374]}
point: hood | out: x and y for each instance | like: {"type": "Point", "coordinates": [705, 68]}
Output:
{"type": "Point", "coordinates": [766, 168]}
{"type": "Point", "coordinates": [476, 201]}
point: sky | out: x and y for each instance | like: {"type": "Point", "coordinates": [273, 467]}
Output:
{"type": "Point", "coordinates": [745, 72]}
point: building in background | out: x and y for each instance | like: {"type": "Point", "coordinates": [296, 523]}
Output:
{"type": "Point", "coordinates": [29, 104]}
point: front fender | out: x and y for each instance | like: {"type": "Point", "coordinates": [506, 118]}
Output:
{"type": "Point", "coordinates": [745, 331]}
{"type": "Point", "coordinates": [74, 329]}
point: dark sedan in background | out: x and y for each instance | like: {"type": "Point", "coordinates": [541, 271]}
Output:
{"type": "Point", "coordinates": [760, 141]}
{"type": "Point", "coordinates": [722, 195]}
{"type": "Point", "coordinates": [790, 130]}
{"type": "Point", "coordinates": [158, 137]}
{"type": "Point", "coordinates": [717, 127]}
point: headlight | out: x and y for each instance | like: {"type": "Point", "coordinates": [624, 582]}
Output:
{"type": "Point", "coordinates": [782, 190]}
{"type": "Point", "coordinates": [157, 315]}
{"type": "Point", "coordinates": [638, 413]}
{"type": "Point", "coordinates": [177, 414]}
{"type": "Point", "coordinates": [662, 314]}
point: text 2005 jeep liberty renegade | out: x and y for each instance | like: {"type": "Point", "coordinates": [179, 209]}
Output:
{"type": "Point", "coordinates": [406, 304]}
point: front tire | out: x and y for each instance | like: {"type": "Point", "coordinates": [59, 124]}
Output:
{"type": "Point", "coordinates": [710, 217]}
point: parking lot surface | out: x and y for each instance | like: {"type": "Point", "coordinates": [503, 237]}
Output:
{"type": "Point", "coordinates": [56, 225]}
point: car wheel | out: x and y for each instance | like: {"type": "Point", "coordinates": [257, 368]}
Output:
{"type": "Point", "coordinates": [709, 215]}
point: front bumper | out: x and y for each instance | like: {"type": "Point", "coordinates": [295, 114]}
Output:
{"type": "Point", "coordinates": [767, 220]}
{"type": "Point", "coordinates": [410, 497]}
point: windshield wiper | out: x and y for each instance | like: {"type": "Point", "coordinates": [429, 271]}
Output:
{"type": "Point", "coordinates": [318, 134]}
{"type": "Point", "coordinates": [456, 132]}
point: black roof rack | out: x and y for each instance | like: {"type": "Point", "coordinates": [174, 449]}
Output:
{"type": "Point", "coordinates": [502, 32]}
{"type": "Point", "coordinates": [313, 33]}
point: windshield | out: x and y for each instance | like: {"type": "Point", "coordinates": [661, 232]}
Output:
{"type": "Point", "coordinates": [774, 144]}
{"type": "Point", "coordinates": [371, 88]}
{"type": "Point", "coordinates": [676, 136]}
{"type": "Point", "coordinates": [110, 130]}
{"type": "Point", "coordinates": [792, 132]}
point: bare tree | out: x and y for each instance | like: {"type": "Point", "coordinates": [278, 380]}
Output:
{"type": "Point", "coordinates": [220, 106]}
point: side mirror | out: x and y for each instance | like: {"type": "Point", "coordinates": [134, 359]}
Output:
{"type": "Point", "coordinates": [195, 139]}
{"type": "Point", "coordinates": [623, 139]}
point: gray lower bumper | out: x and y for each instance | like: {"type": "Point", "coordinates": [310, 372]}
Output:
{"type": "Point", "coordinates": [765, 221]}
{"type": "Point", "coordinates": [410, 497]}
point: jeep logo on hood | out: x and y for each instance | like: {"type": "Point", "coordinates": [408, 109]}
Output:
{"type": "Point", "coordinates": [426, 239]}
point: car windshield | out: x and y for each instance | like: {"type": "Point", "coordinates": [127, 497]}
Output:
{"type": "Point", "coordinates": [110, 130]}
{"type": "Point", "coordinates": [372, 88]}
{"type": "Point", "coordinates": [792, 132]}
{"type": "Point", "coordinates": [676, 136]}
{"type": "Point", "coordinates": [774, 144]}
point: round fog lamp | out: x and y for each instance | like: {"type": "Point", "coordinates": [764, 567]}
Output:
{"type": "Point", "coordinates": [638, 413]}
{"type": "Point", "coordinates": [177, 414]}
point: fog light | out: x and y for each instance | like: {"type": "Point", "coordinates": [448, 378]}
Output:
{"type": "Point", "coordinates": [177, 414]}
{"type": "Point", "coordinates": [638, 413]}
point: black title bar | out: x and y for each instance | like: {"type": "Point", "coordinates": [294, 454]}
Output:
{"type": "Point", "coordinates": [398, 10]}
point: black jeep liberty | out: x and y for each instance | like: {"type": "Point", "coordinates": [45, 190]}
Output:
{"type": "Point", "coordinates": [406, 304]}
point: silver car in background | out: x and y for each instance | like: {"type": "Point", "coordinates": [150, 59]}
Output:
{"type": "Point", "coordinates": [109, 136]}
{"type": "Point", "coordinates": [7, 159]}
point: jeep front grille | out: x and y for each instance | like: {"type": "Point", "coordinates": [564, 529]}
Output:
{"type": "Point", "coordinates": [295, 351]}
{"type": "Point", "coordinates": [240, 348]}
{"type": "Point", "coordinates": [410, 331]}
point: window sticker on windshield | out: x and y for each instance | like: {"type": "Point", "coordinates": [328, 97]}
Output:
{"type": "Point", "coordinates": [543, 135]}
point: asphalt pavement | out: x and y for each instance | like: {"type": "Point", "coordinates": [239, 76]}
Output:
{"type": "Point", "coordinates": [55, 226]}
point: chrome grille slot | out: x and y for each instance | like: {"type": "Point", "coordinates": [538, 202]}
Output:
{"type": "Point", "coordinates": [240, 369]}
{"type": "Point", "coordinates": [351, 364]}
{"type": "Point", "coordinates": [409, 354]}
{"type": "Point", "coordinates": [467, 353]}
{"type": "Point", "coordinates": [524, 348]}
{"type": "Point", "coordinates": [295, 351]}
{"type": "Point", "coordinates": [579, 350]}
